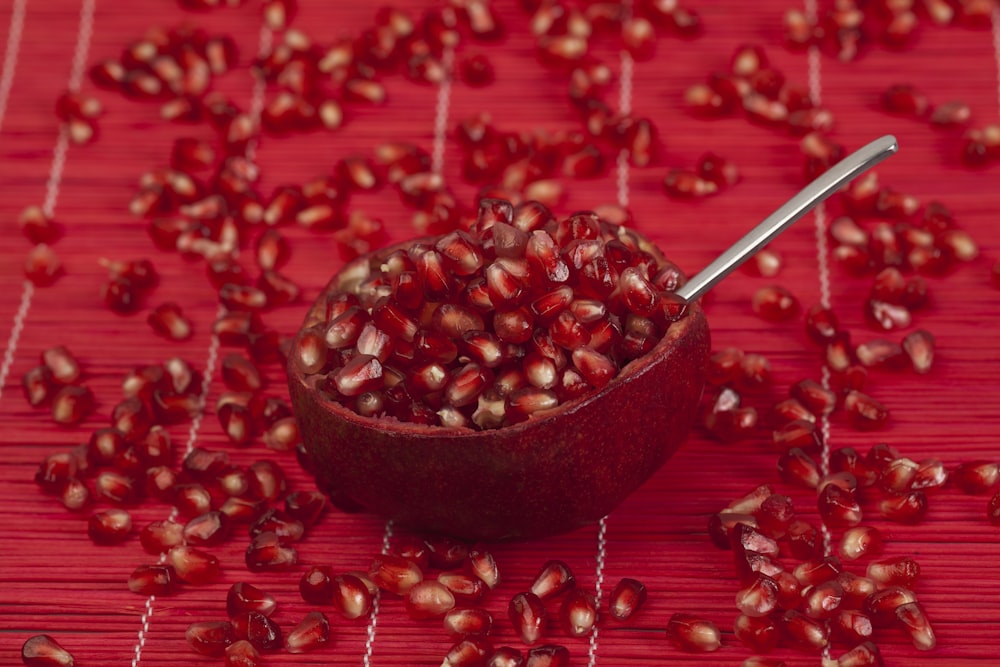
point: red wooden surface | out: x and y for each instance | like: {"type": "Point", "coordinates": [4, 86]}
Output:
{"type": "Point", "coordinates": [54, 580]}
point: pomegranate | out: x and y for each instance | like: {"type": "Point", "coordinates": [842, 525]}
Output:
{"type": "Point", "coordinates": [516, 380]}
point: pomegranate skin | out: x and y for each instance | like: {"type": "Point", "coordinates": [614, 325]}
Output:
{"type": "Point", "coordinates": [548, 475]}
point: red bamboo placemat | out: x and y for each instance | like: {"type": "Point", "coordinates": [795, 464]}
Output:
{"type": "Point", "coordinates": [54, 580]}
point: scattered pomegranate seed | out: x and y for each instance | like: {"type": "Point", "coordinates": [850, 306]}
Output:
{"type": "Point", "coordinates": [527, 615]}
{"type": "Point", "coordinates": [44, 651]}
{"type": "Point", "coordinates": [210, 637]}
{"type": "Point", "coordinates": [554, 577]}
{"type": "Point", "coordinates": [691, 633]}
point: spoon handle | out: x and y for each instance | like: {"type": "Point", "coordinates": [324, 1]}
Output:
{"type": "Point", "coordinates": [829, 182]}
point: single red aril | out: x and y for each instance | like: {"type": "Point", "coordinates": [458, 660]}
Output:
{"type": "Point", "coordinates": [243, 598]}
{"type": "Point", "coordinates": [193, 566]}
{"type": "Point", "coordinates": [865, 654]}
{"type": "Point", "coordinates": [864, 412]}
{"type": "Point", "coordinates": [311, 633]}
{"type": "Point", "coordinates": [796, 467]}
{"type": "Point", "coordinates": [259, 630]}
{"type": "Point", "coordinates": [44, 651]}
{"type": "Point", "coordinates": [351, 596]}
{"type": "Point", "coordinates": [208, 529]}
{"type": "Point", "coordinates": [693, 633]}
{"type": "Point", "coordinates": [41, 266]}
{"type": "Point", "coordinates": [526, 612]}
{"type": "Point", "coordinates": [805, 632]}
{"type": "Point", "coordinates": [429, 599]}
{"type": "Point", "coordinates": [547, 655]}
{"type": "Point", "coordinates": [913, 619]}
{"type": "Point", "coordinates": [267, 551]}
{"type": "Point", "coordinates": [578, 613]}
{"type": "Point", "coordinates": [316, 584]}
{"type": "Point", "coordinates": [803, 539]}
{"type": "Point", "coordinates": [394, 574]}
{"type": "Point", "coordinates": [484, 566]}
{"type": "Point", "coordinates": [210, 637]}
{"type": "Point", "coordinates": [759, 634]}
{"type": "Point", "coordinates": [976, 477]}
{"type": "Point", "coordinates": [109, 526]}
{"type": "Point", "coordinates": [468, 652]}
{"type": "Point", "coordinates": [759, 597]}
{"type": "Point", "coordinates": [72, 404]}
{"type": "Point", "coordinates": [152, 580]}
{"type": "Point", "coordinates": [464, 585]}
{"type": "Point", "coordinates": [775, 304]}
{"type": "Point", "coordinates": [464, 621]}
{"type": "Point", "coordinates": [908, 508]}
{"type": "Point", "coordinates": [554, 577]}
{"type": "Point", "coordinates": [506, 656]}
{"type": "Point", "coordinates": [242, 653]}
{"type": "Point", "coordinates": [626, 598]}
{"type": "Point", "coordinates": [859, 541]}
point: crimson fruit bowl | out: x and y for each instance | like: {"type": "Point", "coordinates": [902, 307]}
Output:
{"type": "Point", "coordinates": [554, 472]}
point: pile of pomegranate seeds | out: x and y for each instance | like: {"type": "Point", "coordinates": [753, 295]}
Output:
{"type": "Point", "coordinates": [485, 328]}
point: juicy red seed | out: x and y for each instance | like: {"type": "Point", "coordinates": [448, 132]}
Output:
{"type": "Point", "coordinates": [193, 566]}
{"type": "Point", "coordinates": [803, 539]}
{"type": "Point", "coordinates": [210, 637]}
{"type": "Point", "coordinates": [759, 597]}
{"type": "Point", "coordinates": [759, 634]}
{"type": "Point", "coordinates": [976, 477]}
{"type": "Point", "coordinates": [627, 598]}
{"type": "Point", "coordinates": [429, 599]}
{"type": "Point", "coordinates": [311, 633]}
{"type": "Point", "coordinates": [316, 585]}
{"type": "Point", "coordinates": [44, 651]}
{"type": "Point", "coordinates": [243, 598]}
{"type": "Point", "coordinates": [912, 617]}
{"type": "Point", "coordinates": [267, 480]}
{"type": "Point", "coordinates": [547, 655]}
{"type": "Point", "coordinates": [775, 304]}
{"type": "Point", "coordinates": [820, 400]}
{"type": "Point", "coordinates": [464, 621]}
{"type": "Point", "coordinates": [526, 612]}
{"type": "Point", "coordinates": [262, 632]}
{"type": "Point", "coordinates": [796, 467]}
{"type": "Point", "coordinates": [209, 529]}
{"type": "Point", "coordinates": [394, 574]}
{"type": "Point", "coordinates": [39, 386]}
{"type": "Point", "coordinates": [109, 526]}
{"type": "Point", "coordinates": [859, 541]}
{"type": "Point", "coordinates": [152, 580]}
{"type": "Point", "coordinates": [351, 596]}
{"type": "Point", "coordinates": [268, 552]}
{"type": "Point", "coordinates": [72, 404]}
{"type": "Point", "coordinates": [553, 578]}
{"type": "Point", "coordinates": [692, 633]}
{"type": "Point", "coordinates": [865, 413]}
{"type": "Point", "coordinates": [305, 506]}
{"type": "Point", "coordinates": [908, 508]}
{"type": "Point", "coordinates": [241, 653]}
{"type": "Point", "coordinates": [578, 613]}
{"type": "Point", "coordinates": [838, 507]}
{"type": "Point", "coordinates": [803, 631]}
{"type": "Point", "coordinates": [900, 571]}
{"type": "Point", "coordinates": [42, 266]}
{"type": "Point", "coordinates": [469, 651]}
{"type": "Point", "coordinates": [484, 566]}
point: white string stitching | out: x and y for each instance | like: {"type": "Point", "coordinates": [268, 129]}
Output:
{"type": "Point", "coordinates": [15, 333]}
{"type": "Point", "coordinates": [14, 31]}
{"type": "Point", "coordinates": [441, 110]}
{"type": "Point", "coordinates": [823, 270]}
{"type": "Point", "coordinates": [602, 555]}
{"type": "Point", "coordinates": [256, 106]}
{"type": "Point", "coordinates": [373, 619]}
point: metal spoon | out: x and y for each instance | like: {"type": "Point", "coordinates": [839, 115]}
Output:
{"type": "Point", "coordinates": [841, 173]}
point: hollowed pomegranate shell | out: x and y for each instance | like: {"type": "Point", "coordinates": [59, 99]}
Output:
{"type": "Point", "coordinates": [540, 477]}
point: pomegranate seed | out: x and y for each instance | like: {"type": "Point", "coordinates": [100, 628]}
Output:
{"type": "Point", "coordinates": [807, 633]}
{"type": "Point", "coordinates": [429, 599]}
{"type": "Point", "coordinates": [262, 632]}
{"type": "Point", "coordinates": [210, 637]}
{"type": "Point", "coordinates": [72, 404]}
{"type": "Point", "coordinates": [547, 655]}
{"type": "Point", "coordinates": [209, 529]}
{"type": "Point", "coordinates": [311, 633]}
{"type": "Point", "coordinates": [691, 633]}
{"type": "Point", "coordinates": [864, 412]}
{"type": "Point", "coordinates": [527, 615]}
{"type": "Point", "coordinates": [908, 508]}
{"type": "Point", "coordinates": [241, 653]}
{"type": "Point", "coordinates": [462, 622]}
{"type": "Point", "coordinates": [838, 507]}
{"type": "Point", "coordinates": [394, 574]}
{"type": "Point", "coordinates": [267, 551]}
{"type": "Point", "coordinates": [859, 541]}
{"type": "Point", "coordinates": [687, 184]}
{"type": "Point", "coordinates": [627, 597]}
{"type": "Point", "coordinates": [152, 580]}
{"type": "Point", "coordinates": [913, 619]}
{"type": "Point", "coordinates": [798, 468]}
{"type": "Point", "coordinates": [820, 400]}
{"type": "Point", "coordinates": [44, 651]}
{"type": "Point", "coordinates": [976, 477]}
{"type": "Point", "coordinates": [554, 577]}
{"type": "Point", "coordinates": [578, 613]}
{"type": "Point", "coordinates": [760, 634]}
{"type": "Point", "coordinates": [484, 566]}
{"type": "Point", "coordinates": [351, 596]}
{"type": "Point", "coordinates": [759, 597]}
{"type": "Point", "coordinates": [243, 598]}
{"type": "Point", "coordinates": [192, 565]}
{"type": "Point", "coordinates": [468, 651]}
{"type": "Point", "coordinates": [904, 100]}
{"type": "Point", "coordinates": [900, 571]}
{"type": "Point", "coordinates": [109, 526]}
{"type": "Point", "coordinates": [775, 304]}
